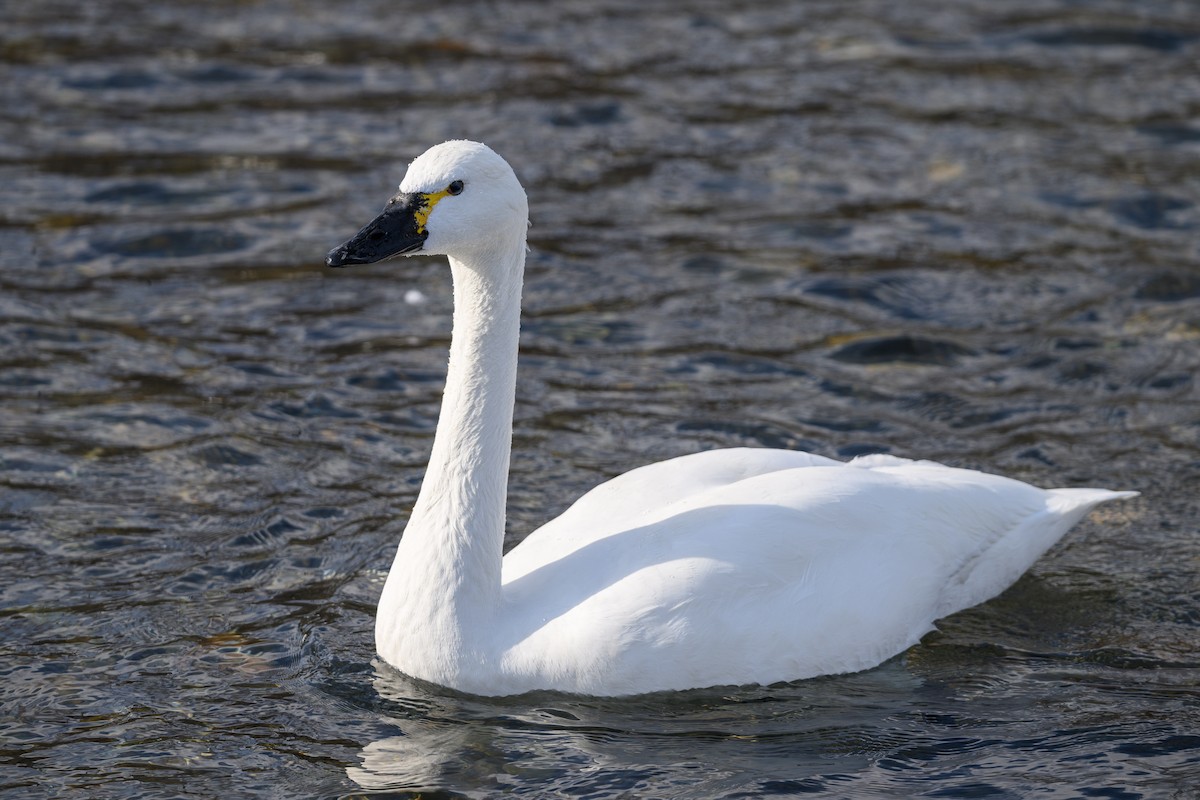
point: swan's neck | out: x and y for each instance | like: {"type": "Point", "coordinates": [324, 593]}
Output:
{"type": "Point", "coordinates": [444, 587]}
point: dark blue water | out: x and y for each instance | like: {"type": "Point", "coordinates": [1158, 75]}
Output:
{"type": "Point", "coordinates": [967, 232]}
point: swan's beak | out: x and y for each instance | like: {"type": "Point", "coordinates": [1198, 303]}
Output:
{"type": "Point", "coordinates": [399, 230]}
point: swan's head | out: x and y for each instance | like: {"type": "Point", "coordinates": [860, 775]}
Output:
{"type": "Point", "coordinates": [457, 199]}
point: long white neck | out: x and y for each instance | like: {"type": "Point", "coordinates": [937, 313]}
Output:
{"type": "Point", "coordinates": [444, 587]}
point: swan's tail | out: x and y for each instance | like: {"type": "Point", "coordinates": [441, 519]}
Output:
{"type": "Point", "coordinates": [1074, 504]}
{"type": "Point", "coordinates": [1006, 560]}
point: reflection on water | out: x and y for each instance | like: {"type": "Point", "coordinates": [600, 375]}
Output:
{"type": "Point", "coordinates": [652, 743]}
{"type": "Point", "coordinates": [894, 731]}
{"type": "Point", "coordinates": [963, 232]}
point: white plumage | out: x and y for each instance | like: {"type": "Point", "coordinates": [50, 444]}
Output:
{"type": "Point", "coordinates": [725, 567]}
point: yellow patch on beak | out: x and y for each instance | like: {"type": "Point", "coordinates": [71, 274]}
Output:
{"type": "Point", "coordinates": [428, 201]}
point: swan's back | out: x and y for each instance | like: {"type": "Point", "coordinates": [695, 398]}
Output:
{"type": "Point", "coordinates": [648, 493]}
{"type": "Point", "coordinates": [763, 565]}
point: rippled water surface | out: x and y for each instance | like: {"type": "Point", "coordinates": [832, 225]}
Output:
{"type": "Point", "coordinates": [964, 231]}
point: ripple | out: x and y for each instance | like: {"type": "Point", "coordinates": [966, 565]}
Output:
{"type": "Point", "coordinates": [1150, 211]}
{"type": "Point", "coordinates": [585, 332]}
{"type": "Point", "coordinates": [740, 364]}
{"type": "Point", "coordinates": [149, 193]}
{"type": "Point", "coordinates": [762, 435]}
{"type": "Point", "coordinates": [878, 291]}
{"type": "Point", "coordinates": [118, 78]}
{"type": "Point", "coordinates": [587, 114]}
{"type": "Point", "coordinates": [218, 456]}
{"type": "Point", "coordinates": [390, 380]}
{"type": "Point", "coordinates": [1172, 134]}
{"type": "Point", "coordinates": [175, 243]}
{"type": "Point", "coordinates": [1169, 287]}
{"type": "Point", "coordinates": [135, 425]}
{"type": "Point", "coordinates": [1148, 38]}
{"type": "Point", "coordinates": [905, 349]}
{"type": "Point", "coordinates": [315, 407]}
{"type": "Point", "coordinates": [219, 74]}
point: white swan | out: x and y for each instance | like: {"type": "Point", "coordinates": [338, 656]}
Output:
{"type": "Point", "coordinates": [725, 567]}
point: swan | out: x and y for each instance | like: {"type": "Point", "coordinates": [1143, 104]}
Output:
{"type": "Point", "coordinates": [727, 567]}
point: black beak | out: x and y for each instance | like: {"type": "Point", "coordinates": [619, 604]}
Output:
{"type": "Point", "coordinates": [394, 232]}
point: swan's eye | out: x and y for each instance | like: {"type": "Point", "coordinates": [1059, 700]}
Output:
{"type": "Point", "coordinates": [455, 187]}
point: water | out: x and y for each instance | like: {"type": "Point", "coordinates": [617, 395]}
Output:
{"type": "Point", "coordinates": [963, 231]}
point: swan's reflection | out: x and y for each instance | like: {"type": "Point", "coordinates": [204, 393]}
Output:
{"type": "Point", "coordinates": [475, 746]}
{"type": "Point", "coordinates": [454, 745]}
